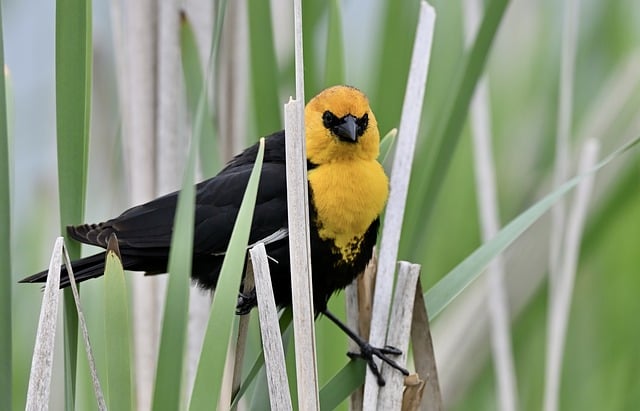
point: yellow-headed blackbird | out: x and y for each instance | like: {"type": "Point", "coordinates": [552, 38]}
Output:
{"type": "Point", "coordinates": [347, 190]}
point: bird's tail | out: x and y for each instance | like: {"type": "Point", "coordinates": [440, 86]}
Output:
{"type": "Point", "coordinates": [83, 269]}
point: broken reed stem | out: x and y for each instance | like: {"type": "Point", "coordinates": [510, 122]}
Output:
{"type": "Point", "coordinates": [399, 333]}
{"type": "Point", "coordinates": [42, 360]}
{"type": "Point", "coordinates": [412, 395]}
{"type": "Point", "coordinates": [279, 396]}
{"type": "Point", "coordinates": [301, 284]}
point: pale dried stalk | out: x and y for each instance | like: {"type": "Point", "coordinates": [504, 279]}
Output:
{"type": "Point", "coordinates": [301, 285]}
{"type": "Point", "coordinates": [135, 39]}
{"type": "Point", "coordinates": [42, 360]}
{"type": "Point", "coordinates": [403, 160]}
{"type": "Point", "coordinates": [526, 275]}
{"type": "Point", "coordinates": [399, 331]}
{"type": "Point", "coordinates": [559, 313]}
{"type": "Point", "coordinates": [279, 396]}
{"type": "Point", "coordinates": [232, 87]}
{"type": "Point", "coordinates": [298, 219]}
{"type": "Point", "coordinates": [565, 111]}
{"type": "Point", "coordinates": [557, 240]}
{"type": "Point", "coordinates": [486, 191]}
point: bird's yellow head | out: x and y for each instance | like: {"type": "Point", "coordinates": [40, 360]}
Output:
{"type": "Point", "coordinates": [340, 126]}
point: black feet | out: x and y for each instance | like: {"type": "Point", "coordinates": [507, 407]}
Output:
{"type": "Point", "coordinates": [367, 351]}
{"type": "Point", "coordinates": [246, 302]}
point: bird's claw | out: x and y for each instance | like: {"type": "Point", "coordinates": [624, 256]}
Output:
{"type": "Point", "coordinates": [246, 302]}
{"type": "Point", "coordinates": [367, 352]}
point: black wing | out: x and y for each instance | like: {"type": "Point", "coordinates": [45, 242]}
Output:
{"type": "Point", "coordinates": [146, 230]}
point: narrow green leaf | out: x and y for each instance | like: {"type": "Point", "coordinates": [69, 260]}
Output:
{"type": "Point", "coordinates": [450, 286]}
{"type": "Point", "coordinates": [210, 160]}
{"type": "Point", "coordinates": [117, 332]}
{"type": "Point", "coordinates": [168, 391]}
{"type": "Point", "coordinates": [264, 76]}
{"type": "Point", "coordinates": [312, 14]}
{"type": "Point", "coordinates": [441, 294]}
{"type": "Point", "coordinates": [340, 387]}
{"type": "Point", "coordinates": [5, 243]}
{"type": "Point", "coordinates": [168, 384]}
{"type": "Point", "coordinates": [446, 132]}
{"type": "Point", "coordinates": [334, 69]}
{"type": "Point", "coordinates": [73, 108]}
{"type": "Point", "coordinates": [387, 144]}
{"type": "Point", "coordinates": [398, 31]}
{"type": "Point", "coordinates": [208, 382]}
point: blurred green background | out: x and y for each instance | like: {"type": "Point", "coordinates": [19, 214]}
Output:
{"type": "Point", "coordinates": [601, 368]}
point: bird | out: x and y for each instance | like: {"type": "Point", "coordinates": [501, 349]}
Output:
{"type": "Point", "coordinates": [348, 190]}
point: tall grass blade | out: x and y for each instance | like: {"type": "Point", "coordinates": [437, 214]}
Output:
{"type": "Point", "coordinates": [449, 287]}
{"type": "Point", "coordinates": [168, 393]}
{"type": "Point", "coordinates": [446, 131]}
{"type": "Point", "coordinates": [263, 65]}
{"type": "Point", "coordinates": [73, 110]}
{"type": "Point", "coordinates": [313, 66]}
{"type": "Point", "coordinates": [393, 54]}
{"type": "Point", "coordinates": [452, 285]}
{"type": "Point", "coordinates": [208, 382]}
{"type": "Point", "coordinates": [489, 216]}
{"type": "Point", "coordinates": [346, 381]}
{"type": "Point", "coordinates": [387, 144]}
{"type": "Point", "coordinates": [210, 160]}
{"type": "Point", "coordinates": [334, 69]}
{"type": "Point", "coordinates": [117, 332]}
{"type": "Point", "coordinates": [97, 389]}
{"type": "Point", "coordinates": [168, 383]}
{"type": "Point", "coordinates": [5, 242]}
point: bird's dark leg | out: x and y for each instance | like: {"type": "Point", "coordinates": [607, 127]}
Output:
{"type": "Point", "coordinates": [246, 302]}
{"type": "Point", "coordinates": [367, 352]}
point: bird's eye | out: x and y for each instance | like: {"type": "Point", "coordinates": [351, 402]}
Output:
{"type": "Point", "coordinates": [362, 124]}
{"type": "Point", "coordinates": [329, 120]}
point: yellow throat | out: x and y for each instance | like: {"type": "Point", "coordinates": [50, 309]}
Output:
{"type": "Point", "coordinates": [349, 186]}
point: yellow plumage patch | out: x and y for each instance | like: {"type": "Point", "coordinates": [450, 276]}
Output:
{"type": "Point", "coordinates": [322, 146]}
{"type": "Point", "coordinates": [348, 184]}
{"type": "Point", "coordinates": [348, 197]}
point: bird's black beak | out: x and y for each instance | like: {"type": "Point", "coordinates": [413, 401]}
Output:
{"type": "Point", "coordinates": [347, 130]}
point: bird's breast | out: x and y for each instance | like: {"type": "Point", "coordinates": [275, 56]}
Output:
{"type": "Point", "coordinates": [348, 197]}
